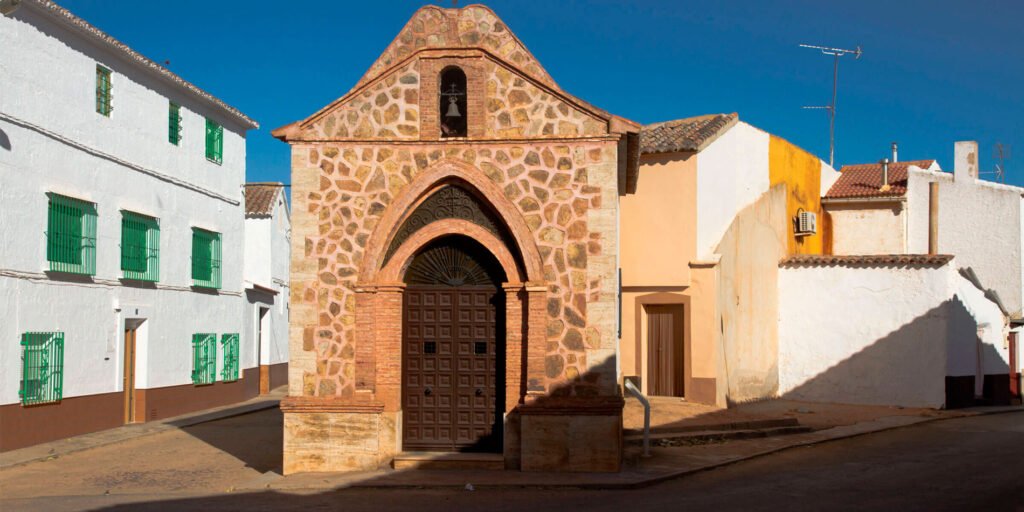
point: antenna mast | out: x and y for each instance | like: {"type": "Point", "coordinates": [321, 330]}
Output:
{"type": "Point", "coordinates": [831, 108]}
{"type": "Point", "coordinates": [1001, 153]}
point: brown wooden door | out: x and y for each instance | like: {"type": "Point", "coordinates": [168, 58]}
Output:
{"type": "Point", "coordinates": [665, 350]}
{"type": "Point", "coordinates": [450, 368]}
{"type": "Point", "coordinates": [129, 375]}
{"type": "Point", "coordinates": [262, 345]}
{"type": "Point", "coordinates": [1015, 391]}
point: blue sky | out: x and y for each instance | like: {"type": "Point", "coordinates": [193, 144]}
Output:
{"type": "Point", "coordinates": [932, 72]}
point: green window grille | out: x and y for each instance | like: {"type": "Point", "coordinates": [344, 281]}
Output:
{"type": "Point", "coordinates": [204, 358]}
{"type": "Point", "coordinates": [71, 235]}
{"type": "Point", "coordinates": [42, 367]}
{"type": "Point", "coordinates": [214, 142]}
{"type": "Point", "coordinates": [229, 342]}
{"type": "Point", "coordinates": [206, 249]}
{"type": "Point", "coordinates": [140, 247]}
{"type": "Point", "coordinates": [173, 123]}
{"type": "Point", "coordinates": [103, 95]}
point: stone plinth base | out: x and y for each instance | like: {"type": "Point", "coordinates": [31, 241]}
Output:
{"type": "Point", "coordinates": [327, 435]}
{"type": "Point", "coordinates": [572, 434]}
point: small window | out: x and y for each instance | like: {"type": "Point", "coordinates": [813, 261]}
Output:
{"type": "Point", "coordinates": [204, 358]}
{"type": "Point", "coordinates": [480, 348]}
{"type": "Point", "coordinates": [229, 342]}
{"type": "Point", "coordinates": [452, 110]}
{"type": "Point", "coordinates": [140, 247]}
{"type": "Point", "coordinates": [103, 94]}
{"type": "Point", "coordinates": [173, 123]}
{"type": "Point", "coordinates": [214, 142]}
{"type": "Point", "coordinates": [71, 235]}
{"type": "Point", "coordinates": [205, 258]}
{"type": "Point", "coordinates": [429, 347]}
{"type": "Point", "coordinates": [42, 367]}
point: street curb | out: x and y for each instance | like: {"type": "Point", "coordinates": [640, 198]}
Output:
{"type": "Point", "coordinates": [656, 479]}
{"type": "Point", "coordinates": [177, 422]}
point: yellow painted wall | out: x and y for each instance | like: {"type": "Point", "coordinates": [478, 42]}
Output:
{"type": "Point", "coordinates": [800, 171]}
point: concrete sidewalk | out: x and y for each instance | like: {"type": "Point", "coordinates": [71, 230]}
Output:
{"type": "Point", "coordinates": [664, 463]}
{"type": "Point", "coordinates": [54, 449]}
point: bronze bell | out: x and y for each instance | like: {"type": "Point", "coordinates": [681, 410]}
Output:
{"type": "Point", "coordinates": [453, 108]}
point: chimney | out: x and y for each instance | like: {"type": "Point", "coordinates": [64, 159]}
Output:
{"type": "Point", "coordinates": [895, 154]}
{"type": "Point", "coordinates": [885, 174]}
{"type": "Point", "coordinates": [965, 161]}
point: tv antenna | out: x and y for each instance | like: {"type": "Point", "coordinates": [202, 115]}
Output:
{"type": "Point", "coordinates": [1001, 153]}
{"type": "Point", "coordinates": [831, 108]}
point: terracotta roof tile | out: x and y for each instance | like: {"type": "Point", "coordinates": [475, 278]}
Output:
{"type": "Point", "coordinates": [874, 260]}
{"type": "Point", "coordinates": [865, 180]}
{"type": "Point", "coordinates": [690, 134]}
{"type": "Point", "coordinates": [259, 197]}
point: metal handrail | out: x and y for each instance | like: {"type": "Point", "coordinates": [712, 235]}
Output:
{"type": "Point", "coordinates": [647, 415]}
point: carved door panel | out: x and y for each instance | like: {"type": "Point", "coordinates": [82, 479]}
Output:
{"type": "Point", "coordinates": [449, 368]}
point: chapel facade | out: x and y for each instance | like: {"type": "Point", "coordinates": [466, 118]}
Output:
{"type": "Point", "coordinates": [454, 261]}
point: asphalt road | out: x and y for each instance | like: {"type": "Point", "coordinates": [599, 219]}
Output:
{"type": "Point", "coordinates": [962, 464]}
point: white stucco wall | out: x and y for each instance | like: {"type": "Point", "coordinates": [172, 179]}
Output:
{"type": "Point", "coordinates": [868, 335]}
{"type": "Point", "coordinates": [987, 352]}
{"type": "Point", "coordinates": [53, 140]}
{"type": "Point", "coordinates": [828, 177]}
{"type": "Point", "coordinates": [868, 227]}
{"type": "Point", "coordinates": [979, 222]}
{"type": "Point", "coordinates": [732, 173]}
{"type": "Point", "coordinates": [267, 262]}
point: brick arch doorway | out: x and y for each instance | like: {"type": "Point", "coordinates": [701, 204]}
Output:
{"type": "Point", "coordinates": [453, 348]}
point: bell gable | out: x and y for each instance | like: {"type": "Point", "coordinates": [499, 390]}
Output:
{"type": "Point", "coordinates": [508, 94]}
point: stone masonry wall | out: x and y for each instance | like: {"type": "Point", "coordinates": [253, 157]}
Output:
{"type": "Point", "coordinates": [566, 194]}
{"type": "Point", "coordinates": [387, 110]}
{"type": "Point", "coordinates": [474, 26]}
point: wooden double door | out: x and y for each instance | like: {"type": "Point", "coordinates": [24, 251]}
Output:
{"type": "Point", "coordinates": [453, 368]}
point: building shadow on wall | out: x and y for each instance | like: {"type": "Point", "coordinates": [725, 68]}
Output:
{"type": "Point", "coordinates": [912, 366]}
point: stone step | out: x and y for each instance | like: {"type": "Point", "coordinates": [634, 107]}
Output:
{"type": "Point", "coordinates": [706, 436]}
{"type": "Point", "coordinates": [449, 460]}
{"type": "Point", "coordinates": [733, 425]}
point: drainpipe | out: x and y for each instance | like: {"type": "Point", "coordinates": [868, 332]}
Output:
{"type": "Point", "coordinates": [933, 218]}
{"type": "Point", "coordinates": [647, 415]}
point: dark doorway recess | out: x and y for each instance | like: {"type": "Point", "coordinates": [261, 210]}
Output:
{"type": "Point", "coordinates": [453, 346]}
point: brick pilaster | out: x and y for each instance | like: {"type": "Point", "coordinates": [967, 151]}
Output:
{"type": "Point", "coordinates": [388, 346]}
{"type": "Point", "coordinates": [514, 389]}
{"type": "Point", "coordinates": [536, 339]}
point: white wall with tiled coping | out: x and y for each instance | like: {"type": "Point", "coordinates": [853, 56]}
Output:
{"type": "Point", "coordinates": [884, 335]}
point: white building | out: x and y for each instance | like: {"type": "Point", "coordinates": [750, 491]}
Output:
{"type": "Point", "coordinates": [267, 260]}
{"type": "Point", "coordinates": [121, 205]}
{"type": "Point", "coordinates": [889, 352]}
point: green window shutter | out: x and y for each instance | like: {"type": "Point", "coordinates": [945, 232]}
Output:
{"type": "Point", "coordinates": [42, 367]}
{"type": "Point", "coordinates": [206, 258]}
{"type": "Point", "coordinates": [173, 123]}
{"type": "Point", "coordinates": [103, 94]}
{"type": "Point", "coordinates": [214, 142]}
{"type": "Point", "coordinates": [229, 342]}
{"type": "Point", "coordinates": [71, 235]}
{"type": "Point", "coordinates": [140, 247]}
{"type": "Point", "coordinates": [204, 358]}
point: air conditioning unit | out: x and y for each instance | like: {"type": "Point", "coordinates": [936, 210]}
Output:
{"type": "Point", "coordinates": [806, 223]}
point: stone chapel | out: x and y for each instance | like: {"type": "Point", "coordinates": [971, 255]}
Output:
{"type": "Point", "coordinates": [455, 241]}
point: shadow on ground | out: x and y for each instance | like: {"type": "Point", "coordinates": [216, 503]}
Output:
{"type": "Point", "coordinates": [254, 438]}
